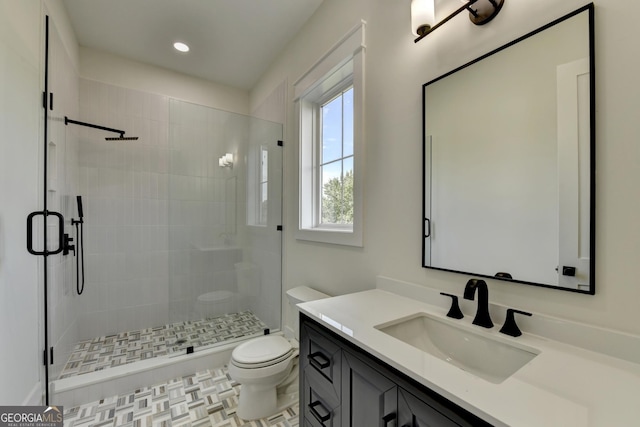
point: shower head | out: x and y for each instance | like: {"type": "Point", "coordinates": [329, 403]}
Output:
{"type": "Point", "coordinates": [67, 120]}
{"type": "Point", "coordinates": [122, 138]}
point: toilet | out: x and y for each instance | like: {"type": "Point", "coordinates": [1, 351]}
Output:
{"type": "Point", "coordinates": [267, 367]}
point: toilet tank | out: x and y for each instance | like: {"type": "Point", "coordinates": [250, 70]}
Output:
{"type": "Point", "coordinates": [296, 296]}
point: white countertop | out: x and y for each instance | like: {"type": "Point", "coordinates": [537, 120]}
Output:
{"type": "Point", "coordinates": [563, 386]}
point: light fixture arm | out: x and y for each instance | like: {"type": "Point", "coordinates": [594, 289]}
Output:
{"type": "Point", "coordinates": [478, 17]}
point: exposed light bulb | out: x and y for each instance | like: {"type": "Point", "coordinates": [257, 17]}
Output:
{"type": "Point", "coordinates": [226, 161]}
{"type": "Point", "coordinates": [422, 15]}
{"type": "Point", "coordinates": [179, 46]}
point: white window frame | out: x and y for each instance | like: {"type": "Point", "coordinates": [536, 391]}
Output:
{"type": "Point", "coordinates": [341, 67]}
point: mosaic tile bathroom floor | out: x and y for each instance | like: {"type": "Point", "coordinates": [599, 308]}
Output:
{"type": "Point", "coordinates": [132, 346]}
{"type": "Point", "coordinates": [207, 398]}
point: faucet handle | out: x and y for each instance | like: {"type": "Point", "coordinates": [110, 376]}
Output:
{"type": "Point", "coordinates": [454, 311]}
{"type": "Point", "coordinates": [510, 327]}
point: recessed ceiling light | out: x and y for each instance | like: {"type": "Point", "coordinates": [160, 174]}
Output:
{"type": "Point", "coordinates": [181, 47]}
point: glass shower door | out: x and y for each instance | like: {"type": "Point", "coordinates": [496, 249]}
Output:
{"type": "Point", "coordinates": [225, 181]}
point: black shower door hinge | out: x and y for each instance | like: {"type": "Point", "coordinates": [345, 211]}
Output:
{"type": "Point", "coordinates": [280, 143]}
{"type": "Point", "coordinates": [279, 228]}
{"type": "Point", "coordinates": [47, 358]}
{"type": "Point", "coordinates": [44, 100]}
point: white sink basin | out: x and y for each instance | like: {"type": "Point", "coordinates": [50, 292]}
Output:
{"type": "Point", "coordinates": [487, 356]}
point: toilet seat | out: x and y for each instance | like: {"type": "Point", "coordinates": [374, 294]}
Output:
{"type": "Point", "coordinates": [262, 352]}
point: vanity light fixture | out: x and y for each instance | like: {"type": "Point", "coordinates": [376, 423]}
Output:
{"type": "Point", "coordinates": [226, 161]}
{"type": "Point", "coordinates": [423, 14]}
{"type": "Point", "coordinates": [181, 47]}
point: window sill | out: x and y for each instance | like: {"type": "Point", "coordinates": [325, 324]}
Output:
{"type": "Point", "coordinates": [335, 236]}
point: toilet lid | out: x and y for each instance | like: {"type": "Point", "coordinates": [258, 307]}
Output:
{"type": "Point", "coordinates": [263, 350]}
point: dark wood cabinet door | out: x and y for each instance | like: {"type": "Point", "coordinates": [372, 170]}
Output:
{"type": "Point", "coordinates": [415, 412]}
{"type": "Point", "coordinates": [369, 399]}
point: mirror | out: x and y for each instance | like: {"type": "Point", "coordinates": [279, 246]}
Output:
{"type": "Point", "coordinates": [509, 161]}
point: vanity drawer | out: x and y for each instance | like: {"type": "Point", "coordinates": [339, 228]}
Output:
{"type": "Point", "coordinates": [321, 355]}
{"type": "Point", "coordinates": [321, 406]}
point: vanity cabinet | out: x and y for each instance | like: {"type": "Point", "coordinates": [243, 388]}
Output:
{"type": "Point", "coordinates": [320, 378]}
{"type": "Point", "coordinates": [342, 385]}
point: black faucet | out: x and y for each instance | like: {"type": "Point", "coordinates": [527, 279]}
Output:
{"type": "Point", "coordinates": [482, 314]}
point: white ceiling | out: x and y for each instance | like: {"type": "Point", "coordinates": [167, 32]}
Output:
{"type": "Point", "coordinates": [232, 41]}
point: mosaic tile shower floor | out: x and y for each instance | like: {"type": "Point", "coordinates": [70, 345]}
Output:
{"type": "Point", "coordinates": [207, 398]}
{"type": "Point", "coordinates": [132, 346]}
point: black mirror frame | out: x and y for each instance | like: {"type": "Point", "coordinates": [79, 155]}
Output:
{"type": "Point", "coordinates": [426, 223]}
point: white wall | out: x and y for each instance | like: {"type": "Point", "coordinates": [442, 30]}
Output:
{"type": "Point", "coordinates": [119, 71]}
{"type": "Point", "coordinates": [21, 186]}
{"type": "Point", "coordinates": [396, 68]}
{"type": "Point", "coordinates": [20, 124]}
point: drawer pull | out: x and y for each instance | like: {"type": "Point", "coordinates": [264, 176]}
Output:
{"type": "Point", "coordinates": [388, 419]}
{"type": "Point", "coordinates": [315, 413]}
{"type": "Point", "coordinates": [319, 360]}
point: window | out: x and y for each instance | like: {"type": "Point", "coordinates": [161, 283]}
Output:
{"type": "Point", "coordinates": [336, 160]}
{"type": "Point", "coordinates": [263, 185]}
{"type": "Point", "coordinates": [330, 100]}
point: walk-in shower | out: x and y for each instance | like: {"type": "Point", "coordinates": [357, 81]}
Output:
{"type": "Point", "coordinates": [182, 254]}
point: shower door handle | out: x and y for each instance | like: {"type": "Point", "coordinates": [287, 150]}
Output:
{"type": "Point", "coordinates": [45, 251]}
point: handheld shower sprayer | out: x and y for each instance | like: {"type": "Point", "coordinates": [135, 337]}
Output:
{"type": "Point", "coordinates": [79, 223]}
{"type": "Point", "coordinates": [80, 211]}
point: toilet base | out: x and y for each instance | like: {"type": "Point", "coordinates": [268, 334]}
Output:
{"type": "Point", "coordinates": [258, 401]}
{"type": "Point", "coordinates": [255, 403]}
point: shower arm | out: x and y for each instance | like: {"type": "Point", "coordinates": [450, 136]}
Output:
{"type": "Point", "coordinates": [89, 125]}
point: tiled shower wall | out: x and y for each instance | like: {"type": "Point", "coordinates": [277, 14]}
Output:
{"type": "Point", "coordinates": [204, 213]}
{"type": "Point", "coordinates": [162, 219]}
{"type": "Point", "coordinates": [125, 189]}
{"type": "Point", "coordinates": [164, 223]}
{"type": "Point", "coordinates": [214, 243]}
